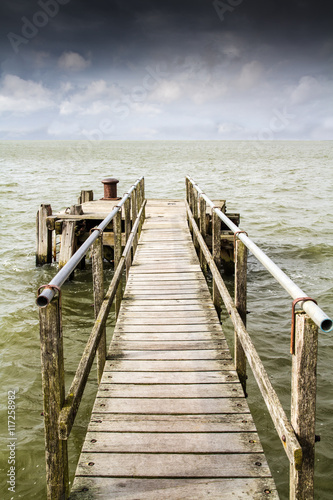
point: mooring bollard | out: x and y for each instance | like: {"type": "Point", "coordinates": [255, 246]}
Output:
{"type": "Point", "coordinates": [110, 188]}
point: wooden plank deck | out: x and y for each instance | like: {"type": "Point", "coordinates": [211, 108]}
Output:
{"type": "Point", "coordinates": [170, 420]}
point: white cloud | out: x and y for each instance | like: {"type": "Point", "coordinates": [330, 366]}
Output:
{"type": "Point", "coordinates": [93, 99]}
{"type": "Point", "coordinates": [167, 91]}
{"type": "Point", "coordinates": [73, 61]}
{"type": "Point", "coordinates": [308, 88]}
{"type": "Point", "coordinates": [23, 96]}
{"type": "Point", "coordinates": [250, 75]}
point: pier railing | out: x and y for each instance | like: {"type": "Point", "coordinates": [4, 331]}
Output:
{"type": "Point", "coordinates": [297, 435]}
{"type": "Point", "coordinates": [60, 409]}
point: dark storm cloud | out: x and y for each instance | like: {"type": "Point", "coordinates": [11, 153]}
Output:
{"type": "Point", "coordinates": [101, 25]}
{"type": "Point", "coordinates": [230, 67]}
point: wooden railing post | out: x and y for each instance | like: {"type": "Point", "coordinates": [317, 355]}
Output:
{"type": "Point", "coordinates": [117, 256]}
{"type": "Point", "coordinates": [190, 203]}
{"type": "Point", "coordinates": [303, 404]}
{"type": "Point", "coordinates": [216, 253]}
{"type": "Point", "coordinates": [52, 360]}
{"type": "Point", "coordinates": [140, 201]}
{"type": "Point", "coordinates": [203, 231]}
{"type": "Point", "coordinates": [240, 303]}
{"type": "Point", "coordinates": [43, 236]}
{"type": "Point", "coordinates": [195, 215]}
{"type": "Point", "coordinates": [127, 217]}
{"type": "Point", "coordinates": [98, 286]}
{"type": "Point", "coordinates": [134, 215]}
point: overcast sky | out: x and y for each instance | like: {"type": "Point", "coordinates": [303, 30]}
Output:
{"type": "Point", "coordinates": [239, 69]}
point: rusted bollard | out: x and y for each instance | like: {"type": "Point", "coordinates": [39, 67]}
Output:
{"type": "Point", "coordinates": [110, 189]}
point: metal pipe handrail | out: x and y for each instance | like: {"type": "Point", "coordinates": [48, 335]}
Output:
{"type": "Point", "coordinates": [48, 293]}
{"type": "Point", "coordinates": [313, 310]}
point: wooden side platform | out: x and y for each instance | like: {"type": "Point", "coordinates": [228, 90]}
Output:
{"type": "Point", "coordinates": [170, 420]}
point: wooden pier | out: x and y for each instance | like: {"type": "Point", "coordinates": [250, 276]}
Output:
{"type": "Point", "coordinates": [170, 419]}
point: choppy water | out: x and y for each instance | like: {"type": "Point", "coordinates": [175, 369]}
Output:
{"type": "Point", "coordinates": [283, 191]}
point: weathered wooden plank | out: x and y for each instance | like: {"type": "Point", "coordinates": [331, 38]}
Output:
{"type": "Point", "coordinates": [90, 488]}
{"type": "Point", "coordinates": [165, 276]}
{"type": "Point", "coordinates": [228, 389]}
{"type": "Point", "coordinates": [171, 406]}
{"type": "Point", "coordinates": [164, 307]}
{"type": "Point", "coordinates": [148, 345]}
{"type": "Point", "coordinates": [160, 442]}
{"type": "Point", "coordinates": [151, 269]}
{"type": "Point", "coordinates": [116, 377]}
{"type": "Point", "coordinates": [173, 465]}
{"type": "Point", "coordinates": [114, 422]}
{"type": "Point", "coordinates": [127, 302]}
{"type": "Point", "coordinates": [164, 365]}
{"type": "Point", "coordinates": [169, 354]}
{"type": "Point", "coordinates": [212, 328]}
{"type": "Point", "coordinates": [167, 336]}
{"type": "Point", "coordinates": [165, 296]}
{"type": "Point", "coordinates": [175, 287]}
{"type": "Point", "coordinates": [152, 319]}
{"type": "Point", "coordinates": [208, 314]}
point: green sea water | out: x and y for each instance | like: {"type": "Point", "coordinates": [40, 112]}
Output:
{"type": "Point", "coordinates": [283, 191]}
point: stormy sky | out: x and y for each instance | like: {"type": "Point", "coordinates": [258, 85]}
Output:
{"type": "Point", "coordinates": [233, 69]}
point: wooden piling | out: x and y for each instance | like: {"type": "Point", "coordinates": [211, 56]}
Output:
{"type": "Point", "coordinates": [240, 303]}
{"type": "Point", "coordinates": [303, 404]}
{"type": "Point", "coordinates": [117, 256]}
{"type": "Point", "coordinates": [216, 253]}
{"type": "Point", "coordinates": [43, 236]}
{"type": "Point", "coordinates": [52, 360]}
{"type": "Point", "coordinates": [98, 287]}
{"type": "Point", "coordinates": [67, 247]}
{"type": "Point", "coordinates": [86, 196]}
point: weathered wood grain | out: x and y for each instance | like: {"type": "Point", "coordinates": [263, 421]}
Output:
{"type": "Point", "coordinates": [161, 442]}
{"type": "Point", "coordinates": [196, 365]}
{"type": "Point", "coordinates": [90, 488]}
{"type": "Point", "coordinates": [148, 345]}
{"type": "Point", "coordinates": [173, 465]}
{"type": "Point", "coordinates": [195, 354]}
{"type": "Point", "coordinates": [224, 422]}
{"type": "Point", "coordinates": [171, 406]}
{"type": "Point", "coordinates": [176, 390]}
{"type": "Point", "coordinates": [170, 419]}
{"type": "Point", "coordinates": [170, 377]}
